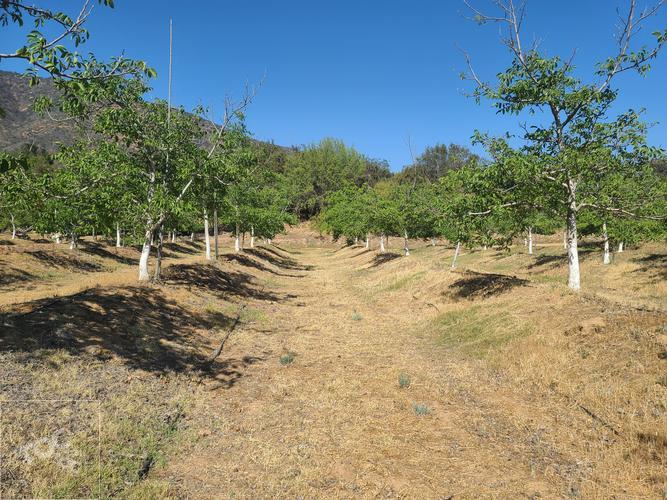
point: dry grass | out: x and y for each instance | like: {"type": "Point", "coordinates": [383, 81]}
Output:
{"type": "Point", "coordinates": [516, 387]}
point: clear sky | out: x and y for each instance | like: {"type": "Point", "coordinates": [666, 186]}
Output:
{"type": "Point", "coordinates": [370, 72]}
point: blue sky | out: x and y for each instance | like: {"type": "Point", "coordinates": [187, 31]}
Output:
{"type": "Point", "coordinates": [372, 73]}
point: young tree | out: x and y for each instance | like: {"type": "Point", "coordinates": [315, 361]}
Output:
{"type": "Point", "coordinates": [571, 146]}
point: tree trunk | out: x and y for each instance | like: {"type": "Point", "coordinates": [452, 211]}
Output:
{"type": "Point", "coordinates": [406, 249]}
{"type": "Point", "coordinates": [574, 277]}
{"type": "Point", "coordinates": [119, 242]}
{"type": "Point", "coordinates": [456, 254]}
{"type": "Point", "coordinates": [158, 259]}
{"type": "Point", "coordinates": [215, 232]}
{"type": "Point", "coordinates": [237, 240]}
{"type": "Point", "coordinates": [13, 226]}
{"type": "Point", "coordinates": [143, 260]}
{"type": "Point", "coordinates": [73, 243]}
{"type": "Point", "coordinates": [368, 242]}
{"type": "Point", "coordinates": [192, 237]}
{"type": "Point", "coordinates": [530, 240]}
{"type": "Point", "coordinates": [432, 242]}
{"type": "Point", "coordinates": [268, 240]}
{"type": "Point", "coordinates": [57, 238]}
{"type": "Point", "coordinates": [94, 235]}
{"type": "Point", "coordinates": [565, 240]}
{"type": "Point", "coordinates": [606, 259]}
{"type": "Point", "coordinates": [207, 236]}
{"type": "Point", "coordinates": [252, 236]}
{"type": "Point", "coordinates": [173, 236]}
{"type": "Point", "coordinates": [382, 249]}
{"type": "Point", "coordinates": [620, 247]}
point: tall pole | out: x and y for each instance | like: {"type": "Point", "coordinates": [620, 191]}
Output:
{"type": "Point", "coordinates": [215, 225]}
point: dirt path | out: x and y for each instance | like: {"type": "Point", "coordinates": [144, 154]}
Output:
{"type": "Point", "coordinates": [335, 422]}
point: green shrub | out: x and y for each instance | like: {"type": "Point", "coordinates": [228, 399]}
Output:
{"type": "Point", "coordinates": [403, 381]}
{"type": "Point", "coordinates": [420, 409]}
{"type": "Point", "coordinates": [287, 359]}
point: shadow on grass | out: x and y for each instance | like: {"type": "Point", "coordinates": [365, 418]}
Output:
{"type": "Point", "coordinates": [476, 285]}
{"type": "Point", "coordinates": [138, 326]}
{"type": "Point", "coordinates": [101, 250]}
{"type": "Point", "coordinates": [214, 280]}
{"type": "Point", "coordinates": [555, 261]}
{"type": "Point", "coordinates": [654, 264]}
{"type": "Point", "coordinates": [6, 243]}
{"type": "Point", "coordinates": [296, 252]}
{"type": "Point", "coordinates": [383, 258]}
{"type": "Point", "coordinates": [276, 259]}
{"type": "Point", "coordinates": [10, 276]}
{"type": "Point", "coordinates": [65, 261]}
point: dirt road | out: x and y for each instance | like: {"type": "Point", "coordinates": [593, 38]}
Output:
{"type": "Point", "coordinates": [335, 422]}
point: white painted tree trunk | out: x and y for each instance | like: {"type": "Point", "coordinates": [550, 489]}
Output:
{"type": "Point", "coordinates": [368, 241]}
{"type": "Point", "coordinates": [620, 247]}
{"type": "Point", "coordinates": [456, 254]}
{"type": "Point", "coordinates": [574, 277]}
{"type": "Point", "coordinates": [192, 236]}
{"type": "Point", "coordinates": [268, 240]}
{"type": "Point", "coordinates": [207, 237]}
{"type": "Point", "coordinates": [57, 238]}
{"type": "Point", "coordinates": [606, 259]}
{"type": "Point", "coordinates": [72, 242]}
{"type": "Point", "coordinates": [382, 248]}
{"type": "Point", "coordinates": [406, 249]}
{"type": "Point", "coordinates": [13, 227]}
{"type": "Point", "coordinates": [119, 241]}
{"type": "Point", "coordinates": [432, 242]}
{"type": "Point", "coordinates": [173, 236]}
{"type": "Point", "coordinates": [237, 239]}
{"type": "Point", "coordinates": [565, 240]}
{"type": "Point", "coordinates": [143, 260]}
{"type": "Point", "coordinates": [530, 240]}
{"type": "Point", "coordinates": [252, 236]}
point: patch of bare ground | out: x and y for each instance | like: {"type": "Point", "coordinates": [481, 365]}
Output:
{"type": "Point", "coordinates": [345, 374]}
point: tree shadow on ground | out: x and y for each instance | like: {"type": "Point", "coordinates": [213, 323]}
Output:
{"type": "Point", "coordinates": [476, 285]}
{"type": "Point", "coordinates": [277, 260]}
{"type": "Point", "coordinates": [100, 250]}
{"type": "Point", "coordinates": [554, 261]}
{"type": "Point", "coordinates": [654, 264]}
{"type": "Point", "coordinates": [214, 280]}
{"type": "Point", "coordinates": [69, 262]}
{"type": "Point", "coordinates": [296, 252]}
{"type": "Point", "coordinates": [180, 247]}
{"type": "Point", "coordinates": [139, 326]}
{"type": "Point", "coordinates": [382, 258]}
{"type": "Point", "coordinates": [11, 276]}
{"type": "Point", "coordinates": [364, 251]}
{"type": "Point", "coordinates": [6, 243]}
{"type": "Point", "coordinates": [246, 261]}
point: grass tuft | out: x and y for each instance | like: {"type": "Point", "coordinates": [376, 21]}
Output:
{"type": "Point", "coordinates": [287, 359]}
{"type": "Point", "coordinates": [403, 381]}
{"type": "Point", "coordinates": [420, 409]}
{"type": "Point", "coordinates": [356, 316]}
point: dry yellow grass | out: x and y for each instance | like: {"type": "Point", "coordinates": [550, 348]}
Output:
{"type": "Point", "coordinates": [517, 387]}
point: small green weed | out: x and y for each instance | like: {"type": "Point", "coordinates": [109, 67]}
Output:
{"type": "Point", "coordinates": [287, 359]}
{"type": "Point", "coordinates": [403, 381]}
{"type": "Point", "coordinates": [356, 316]}
{"type": "Point", "coordinates": [421, 409]}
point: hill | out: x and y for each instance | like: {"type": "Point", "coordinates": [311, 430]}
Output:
{"type": "Point", "coordinates": [21, 126]}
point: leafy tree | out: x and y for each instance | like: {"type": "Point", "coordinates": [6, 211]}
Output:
{"type": "Point", "coordinates": [436, 161]}
{"type": "Point", "coordinates": [570, 150]}
{"type": "Point", "coordinates": [320, 169]}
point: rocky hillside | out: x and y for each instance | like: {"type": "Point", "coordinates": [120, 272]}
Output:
{"type": "Point", "coordinates": [20, 125]}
